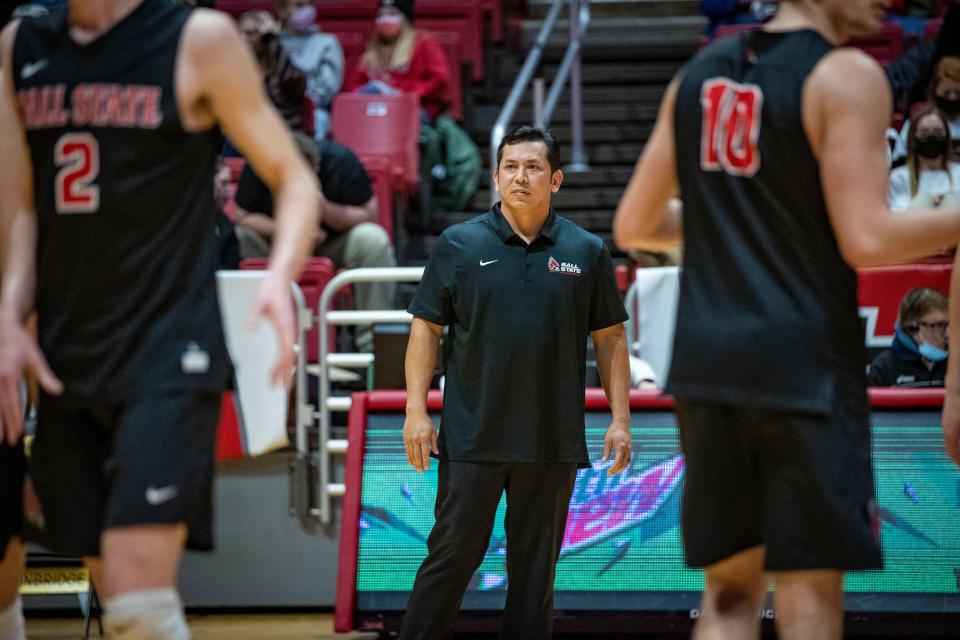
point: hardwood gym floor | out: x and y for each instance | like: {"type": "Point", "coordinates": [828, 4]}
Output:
{"type": "Point", "coordinates": [217, 627]}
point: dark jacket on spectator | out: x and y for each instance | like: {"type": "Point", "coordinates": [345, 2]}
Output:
{"type": "Point", "coordinates": [903, 367]}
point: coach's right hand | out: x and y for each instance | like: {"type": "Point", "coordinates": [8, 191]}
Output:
{"type": "Point", "coordinates": [419, 439]}
{"type": "Point", "coordinates": [19, 354]}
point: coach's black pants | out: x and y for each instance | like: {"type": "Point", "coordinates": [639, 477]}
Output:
{"type": "Point", "coordinates": [538, 495]}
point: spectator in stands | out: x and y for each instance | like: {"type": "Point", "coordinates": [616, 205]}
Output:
{"type": "Point", "coordinates": [285, 83]}
{"type": "Point", "coordinates": [929, 179]}
{"type": "Point", "coordinates": [317, 54]}
{"type": "Point", "coordinates": [401, 59]}
{"type": "Point", "coordinates": [349, 234]}
{"type": "Point", "coordinates": [737, 11]}
{"type": "Point", "coordinates": [224, 229]}
{"type": "Point", "coordinates": [918, 356]}
{"type": "Point", "coordinates": [910, 74]}
{"type": "Point", "coordinates": [944, 94]}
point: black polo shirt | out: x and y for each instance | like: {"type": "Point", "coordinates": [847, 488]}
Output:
{"type": "Point", "coordinates": [518, 316]}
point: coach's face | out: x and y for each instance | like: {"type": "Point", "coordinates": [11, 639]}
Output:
{"type": "Point", "coordinates": [524, 179]}
{"type": "Point", "coordinates": [857, 17]}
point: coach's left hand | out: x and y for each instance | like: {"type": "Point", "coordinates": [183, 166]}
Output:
{"type": "Point", "coordinates": [618, 441]}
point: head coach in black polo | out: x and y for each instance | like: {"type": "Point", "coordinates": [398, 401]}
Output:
{"type": "Point", "coordinates": [520, 288]}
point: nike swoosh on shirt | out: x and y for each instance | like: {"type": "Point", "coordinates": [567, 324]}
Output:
{"type": "Point", "coordinates": [483, 264]}
{"type": "Point", "coordinates": [156, 496]}
{"type": "Point", "coordinates": [32, 68]}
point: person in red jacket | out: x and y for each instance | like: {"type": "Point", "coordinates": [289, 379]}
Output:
{"type": "Point", "coordinates": [401, 59]}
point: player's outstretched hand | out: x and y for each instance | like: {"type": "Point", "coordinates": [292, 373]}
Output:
{"type": "Point", "coordinates": [273, 304]}
{"type": "Point", "coordinates": [419, 439]}
{"type": "Point", "coordinates": [19, 354]}
{"type": "Point", "coordinates": [951, 423]}
{"type": "Point", "coordinates": [618, 441]}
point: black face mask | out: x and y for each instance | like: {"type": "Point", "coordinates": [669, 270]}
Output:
{"type": "Point", "coordinates": [931, 147]}
{"type": "Point", "coordinates": [948, 106]}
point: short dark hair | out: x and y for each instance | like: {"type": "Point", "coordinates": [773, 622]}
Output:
{"type": "Point", "coordinates": [918, 303]}
{"type": "Point", "coordinates": [527, 133]}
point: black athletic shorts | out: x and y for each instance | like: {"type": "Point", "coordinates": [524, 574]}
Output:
{"type": "Point", "coordinates": [99, 466]}
{"type": "Point", "coordinates": [11, 494]}
{"type": "Point", "coordinates": [799, 484]}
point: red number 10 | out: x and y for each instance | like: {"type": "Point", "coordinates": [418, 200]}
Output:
{"type": "Point", "coordinates": [731, 127]}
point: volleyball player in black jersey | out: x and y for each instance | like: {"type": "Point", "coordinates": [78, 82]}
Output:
{"type": "Point", "coordinates": [774, 142]}
{"type": "Point", "coordinates": [109, 117]}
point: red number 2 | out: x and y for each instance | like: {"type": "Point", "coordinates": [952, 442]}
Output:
{"type": "Point", "coordinates": [731, 127]}
{"type": "Point", "coordinates": [78, 156]}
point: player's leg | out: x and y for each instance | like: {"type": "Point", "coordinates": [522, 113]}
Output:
{"type": "Point", "coordinates": [820, 515]}
{"type": "Point", "coordinates": [159, 496]}
{"type": "Point", "coordinates": [467, 497]}
{"type": "Point", "coordinates": [538, 498]}
{"type": "Point", "coordinates": [809, 605]}
{"type": "Point", "coordinates": [732, 598]}
{"type": "Point", "coordinates": [11, 569]}
{"type": "Point", "coordinates": [722, 517]}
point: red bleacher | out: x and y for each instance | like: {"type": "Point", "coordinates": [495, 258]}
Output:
{"type": "Point", "coordinates": [381, 126]}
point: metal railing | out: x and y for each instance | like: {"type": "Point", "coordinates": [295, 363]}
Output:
{"type": "Point", "coordinates": [327, 447]}
{"type": "Point", "coordinates": [570, 67]}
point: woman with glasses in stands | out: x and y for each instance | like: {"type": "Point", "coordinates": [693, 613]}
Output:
{"type": "Point", "coordinates": [401, 59]}
{"type": "Point", "coordinates": [918, 355]}
{"type": "Point", "coordinates": [929, 179]}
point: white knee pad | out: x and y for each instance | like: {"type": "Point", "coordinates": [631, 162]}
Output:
{"type": "Point", "coordinates": [11, 622]}
{"type": "Point", "coordinates": [151, 614]}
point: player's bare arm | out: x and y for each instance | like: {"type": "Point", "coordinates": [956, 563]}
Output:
{"type": "Point", "coordinates": [218, 83]}
{"type": "Point", "coordinates": [419, 434]}
{"type": "Point", "coordinates": [650, 215]}
{"type": "Point", "coordinates": [846, 109]}
{"type": "Point", "coordinates": [610, 345]}
{"type": "Point", "coordinates": [19, 352]}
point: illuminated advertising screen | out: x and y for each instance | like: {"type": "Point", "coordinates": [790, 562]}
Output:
{"type": "Point", "coordinates": [622, 549]}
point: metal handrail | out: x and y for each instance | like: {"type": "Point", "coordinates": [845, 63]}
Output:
{"type": "Point", "coordinates": [579, 20]}
{"type": "Point", "coordinates": [326, 318]}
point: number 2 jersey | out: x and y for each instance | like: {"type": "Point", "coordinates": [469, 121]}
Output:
{"type": "Point", "coordinates": [768, 307]}
{"type": "Point", "coordinates": [125, 293]}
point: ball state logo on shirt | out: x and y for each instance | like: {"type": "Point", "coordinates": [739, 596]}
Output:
{"type": "Point", "coordinates": [565, 268]}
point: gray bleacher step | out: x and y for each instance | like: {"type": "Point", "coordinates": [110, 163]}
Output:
{"type": "Point", "coordinates": [622, 73]}
{"type": "Point", "coordinates": [605, 132]}
{"type": "Point", "coordinates": [624, 8]}
{"type": "Point", "coordinates": [598, 113]}
{"type": "Point", "coordinates": [622, 32]}
{"type": "Point", "coordinates": [612, 93]}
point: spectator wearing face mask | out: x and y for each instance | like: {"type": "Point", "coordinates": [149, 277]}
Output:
{"type": "Point", "coordinates": [944, 94]}
{"type": "Point", "coordinates": [918, 355]}
{"type": "Point", "coordinates": [317, 54]}
{"type": "Point", "coordinates": [928, 179]}
{"type": "Point", "coordinates": [401, 59]}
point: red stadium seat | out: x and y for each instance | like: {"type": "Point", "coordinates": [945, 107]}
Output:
{"type": "Point", "coordinates": [381, 179]}
{"type": "Point", "coordinates": [886, 45]}
{"type": "Point", "coordinates": [450, 42]}
{"type": "Point", "coordinates": [383, 126]}
{"type": "Point", "coordinates": [317, 272]}
{"type": "Point", "coordinates": [353, 45]}
{"type": "Point", "coordinates": [463, 18]}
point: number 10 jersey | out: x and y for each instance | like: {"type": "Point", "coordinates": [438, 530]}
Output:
{"type": "Point", "coordinates": [768, 307]}
{"type": "Point", "coordinates": [126, 252]}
